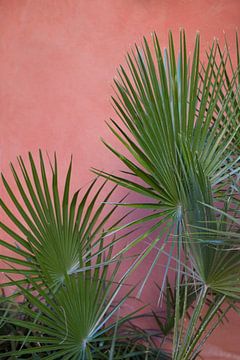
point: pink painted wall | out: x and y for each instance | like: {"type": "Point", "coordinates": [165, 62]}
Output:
{"type": "Point", "coordinates": [57, 62]}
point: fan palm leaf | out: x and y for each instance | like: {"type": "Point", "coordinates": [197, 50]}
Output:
{"type": "Point", "coordinates": [163, 104]}
{"type": "Point", "coordinates": [51, 230]}
{"type": "Point", "coordinates": [72, 322]}
{"type": "Point", "coordinates": [213, 251]}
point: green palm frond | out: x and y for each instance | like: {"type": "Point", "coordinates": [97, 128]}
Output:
{"type": "Point", "coordinates": [221, 239]}
{"type": "Point", "coordinates": [163, 104]}
{"type": "Point", "coordinates": [213, 251]}
{"type": "Point", "coordinates": [124, 341]}
{"type": "Point", "coordinates": [51, 230]}
{"type": "Point", "coordinates": [72, 322]}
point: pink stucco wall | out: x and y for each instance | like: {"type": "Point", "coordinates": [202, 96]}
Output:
{"type": "Point", "coordinates": [57, 62]}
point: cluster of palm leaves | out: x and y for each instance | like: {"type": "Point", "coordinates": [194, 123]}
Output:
{"type": "Point", "coordinates": [179, 121]}
{"type": "Point", "coordinates": [181, 124]}
{"type": "Point", "coordinates": [65, 266]}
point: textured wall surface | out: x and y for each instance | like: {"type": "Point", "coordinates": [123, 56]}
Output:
{"type": "Point", "coordinates": [57, 62]}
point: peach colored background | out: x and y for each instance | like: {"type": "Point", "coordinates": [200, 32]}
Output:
{"type": "Point", "coordinates": [57, 62]}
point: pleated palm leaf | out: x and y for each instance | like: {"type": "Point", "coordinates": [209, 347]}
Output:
{"type": "Point", "coordinates": [75, 321]}
{"type": "Point", "coordinates": [164, 105]}
{"type": "Point", "coordinates": [123, 341]}
{"type": "Point", "coordinates": [50, 230]}
{"type": "Point", "coordinates": [221, 240]}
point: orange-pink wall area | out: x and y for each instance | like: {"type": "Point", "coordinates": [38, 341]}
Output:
{"type": "Point", "coordinates": [57, 62]}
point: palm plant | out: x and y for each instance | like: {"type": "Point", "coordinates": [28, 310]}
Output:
{"type": "Point", "coordinates": [181, 125]}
